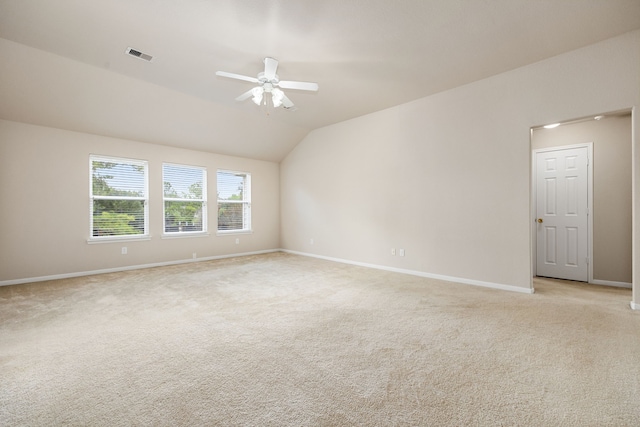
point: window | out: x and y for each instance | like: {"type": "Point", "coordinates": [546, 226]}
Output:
{"type": "Point", "coordinates": [234, 201]}
{"type": "Point", "coordinates": [119, 197]}
{"type": "Point", "coordinates": [185, 198]}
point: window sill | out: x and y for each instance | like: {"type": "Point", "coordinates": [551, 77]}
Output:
{"type": "Point", "coordinates": [185, 235]}
{"type": "Point", "coordinates": [115, 239]}
{"type": "Point", "coordinates": [229, 232]}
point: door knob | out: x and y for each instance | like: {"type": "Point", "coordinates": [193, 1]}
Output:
{"type": "Point", "coordinates": [540, 221]}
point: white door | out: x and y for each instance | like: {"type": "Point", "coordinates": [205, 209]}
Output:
{"type": "Point", "coordinates": [562, 216]}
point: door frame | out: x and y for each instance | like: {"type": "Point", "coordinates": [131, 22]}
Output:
{"type": "Point", "coordinates": [534, 235]}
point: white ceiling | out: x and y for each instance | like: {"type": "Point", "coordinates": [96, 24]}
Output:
{"type": "Point", "coordinates": [366, 55]}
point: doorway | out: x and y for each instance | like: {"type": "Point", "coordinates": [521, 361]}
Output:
{"type": "Point", "coordinates": [610, 260]}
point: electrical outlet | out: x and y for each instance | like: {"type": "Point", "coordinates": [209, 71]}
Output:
{"type": "Point", "coordinates": [401, 252]}
{"type": "Point", "coordinates": [311, 241]}
{"type": "Point", "coordinates": [393, 251]}
{"type": "Point", "coordinates": [124, 250]}
{"type": "Point", "coordinates": [237, 241]}
{"type": "Point", "coordinates": [194, 255]}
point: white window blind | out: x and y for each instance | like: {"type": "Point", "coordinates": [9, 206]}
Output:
{"type": "Point", "coordinates": [234, 201]}
{"type": "Point", "coordinates": [119, 197]}
{"type": "Point", "coordinates": [185, 198]}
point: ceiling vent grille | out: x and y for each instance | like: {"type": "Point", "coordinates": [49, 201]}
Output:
{"type": "Point", "coordinates": [145, 57]}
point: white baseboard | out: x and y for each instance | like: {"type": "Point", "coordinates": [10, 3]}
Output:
{"type": "Point", "coordinates": [634, 306]}
{"type": "Point", "coordinates": [611, 283]}
{"type": "Point", "coordinates": [127, 268]}
{"type": "Point", "coordinates": [420, 273]}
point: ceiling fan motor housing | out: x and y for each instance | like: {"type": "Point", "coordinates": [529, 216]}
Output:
{"type": "Point", "coordinates": [268, 85]}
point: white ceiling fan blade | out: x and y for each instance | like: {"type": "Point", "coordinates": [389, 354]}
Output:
{"type": "Point", "coordinates": [236, 76]}
{"type": "Point", "coordinates": [286, 102]}
{"type": "Point", "coordinates": [285, 84]}
{"type": "Point", "coordinates": [248, 94]}
{"type": "Point", "coordinates": [270, 67]}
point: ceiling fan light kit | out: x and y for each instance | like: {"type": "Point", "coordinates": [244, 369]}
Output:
{"type": "Point", "coordinates": [269, 82]}
{"type": "Point", "coordinates": [257, 94]}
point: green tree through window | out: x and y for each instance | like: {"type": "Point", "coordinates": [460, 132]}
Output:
{"type": "Point", "coordinates": [184, 198]}
{"type": "Point", "coordinates": [234, 201]}
{"type": "Point", "coordinates": [118, 197]}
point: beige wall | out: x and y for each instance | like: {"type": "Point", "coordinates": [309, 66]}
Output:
{"type": "Point", "coordinates": [611, 138]}
{"type": "Point", "coordinates": [447, 177]}
{"type": "Point", "coordinates": [44, 197]}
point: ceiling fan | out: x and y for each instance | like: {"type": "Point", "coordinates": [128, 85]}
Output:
{"type": "Point", "coordinates": [269, 82]}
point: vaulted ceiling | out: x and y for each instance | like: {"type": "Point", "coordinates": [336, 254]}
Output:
{"type": "Point", "coordinates": [63, 62]}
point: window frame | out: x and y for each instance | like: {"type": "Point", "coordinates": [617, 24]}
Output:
{"type": "Point", "coordinates": [247, 220]}
{"type": "Point", "coordinates": [203, 200]}
{"type": "Point", "coordinates": [145, 199]}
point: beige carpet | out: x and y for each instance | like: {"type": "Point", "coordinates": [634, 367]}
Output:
{"type": "Point", "coordinates": [284, 340]}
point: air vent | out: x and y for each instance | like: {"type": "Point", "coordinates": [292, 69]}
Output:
{"type": "Point", "coordinates": [145, 57]}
